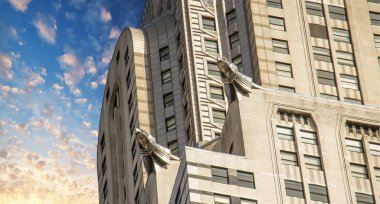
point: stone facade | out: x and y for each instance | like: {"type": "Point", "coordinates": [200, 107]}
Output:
{"type": "Point", "coordinates": [308, 131]}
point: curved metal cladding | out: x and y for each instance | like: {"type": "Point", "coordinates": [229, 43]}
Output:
{"type": "Point", "coordinates": [127, 104]}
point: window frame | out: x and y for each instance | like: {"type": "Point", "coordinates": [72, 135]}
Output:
{"type": "Point", "coordinates": [166, 79]}
{"type": "Point", "coordinates": [359, 170]}
{"type": "Point", "coordinates": [285, 158]}
{"type": "Point", "coordinates": [282, 71]}
{"type": "Point", "coordinates": [312, 8]}
{"type": "Point", "coordinates": [277, 23]}
{"type": "Point", "coordinates": [280, 46]}
{"type": "Point", "coordinates": [243, 179]}
{"type": "Point", "coordinates": [294, 189]}
{"type": "Point", "coordinates": [316, 191]}
{"type": "Point", "coordinates": [349, 82]}
{"type": "Point", "coordinates": [375, 18]}
{"type": "Point", "coordinates": [313, 162]}
{"type": "Point", "coordinates": [231, 17]}
{"type": "Point", "coordinates": [164, 54]}
{"type": "Point", "coordinates": [322, 54]}
{"type": "Point", "coordinates": [341, 35]}
{"type": "Point", "coordinates": [234, 40]}
{"type": "Point", "coordinates": [219, 120]}
{"type": "Point", "coordinates": [353, 145]}
{"type": "Point", "coordinates": [219, 174]}
{"type": "Point", "coordinates": [172, 125]}
{"type": "Point", "coordinates": [326, 77]}
{"type": "Point", "coordinates": [168, 100]}
{"type": "Point", "coordinates": [211, 48]}
{"type": "Point", "coordinates": [274, 3]}
{"type": "Point", "coordinates": [282, 135]}
{"type": "Point", "coordinates": [338, 13]}
{"type": "Point", "coordinates": [212, 25]}
{"type": "Point", "coordinates": [213, 89]}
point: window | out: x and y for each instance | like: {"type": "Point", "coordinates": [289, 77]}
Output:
{"type": "Point", "coordinates": [218, 116]}
{"type": "Point", "coordinates": [130, 102]}
{"type": "Point", "coordinates": [280, 46]}
{"type": "Point", "coordinates": [213, 69]}
{"type": "Point", "coordinates": [276, 23]}
{"type": "Point", "coordinates": [312, 162]}
{"type": "Point", "coordinates": [274, 3]}
{"type": "Point", "coordinates": [216, 92]}
{"type": "Point", "coordinates": [166, 76]}
{"type": "Point", "coordinates": [341, 35]}
{"type": "Point", "coordinates": [105, 189]}
{"type": "Point", "coordinates": [358, 170]}
{"type": "Point", "coordinates": [375, 149]}
{"type": "Point", "coordinates": [377, 41]}
{"type": "Point", "coordinates": [102, 143]}
{"type": "Point", "coordinates": [173, 145]}
{"type": "Point", "coordinates": [287, 89]}
{"type": "Point", "coordinates": [354, 145]}
{"type": "Point", "coordinates": [284, 70]}
{"type": "Point", "coordinates": [245, 179]}
{"type": "Point", "coordinates": [326, 78]}
{"type": "Point", "coordinates": [126, 57]}
{"type": "Point", "coordinates": [308, 137]}
{"type": "Point", "coordinates": [315, 9]}
{"type": "Point", "coordinates": [378, 60]}
{"type": "Point", "coordinates": [237, 62]}
{"type": "Point", "coordinates": [377, 174]}
{"type": "Point", "coordinates": [234, 40]}
{"type": "Point", "coordinates": [211, 46]}
{"type": "Point", "coordinates": [318, 193]}
{"type": "Point", "coordinates": [353, 101]}
{"type": "Point", "coordinates": [337, 13]}
{"type": "Point", "coordinates": [322, 54]}
{"type": "Point", "coordinates": [364, 198]}
{"type": "Point", "coordinates": [231, 17]}
{"type": "Point", "coordinates": [375, 18]}
{"type": "Point", "coordinates": [118, 56]}
{"type": "Point", "coordinates": [104, 166]}
{"type": "Point", "coordinates": [374, 1]}
{"type": "Point", "coordinates": [219, 174]}
{"type": "Point", "coordinates": [289, 158]}
{"type": "Point", "coordinates": [246, 201]}
{"type": "Point", "coordinates": [168, 100]}
{"type": "Point", "coordinates": [170, 124]}
{"type": "Point", "coordinates": [285, 133]}
{"type": "Point", "coordinates": [345, 58]}
{"type": "Point", "coordinates": [222, 199]}
{"type": "Point", "coordinates": [294, 189]}
{"type": "Point", "coordinates": [328, 96]}
{"type": "Point", "coordinates": [349, 82]}
{"type": "Point", "coordinates": [164, 54]}
{"type": "Point", "coordinates": [318, 31]}
{"type": "Point", "coordinates": [208, 23]}
{"type": "Point", "coordinates": [129, 78]}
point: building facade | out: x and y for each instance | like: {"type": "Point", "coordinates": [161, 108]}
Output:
{"type": "Point", "coordinates": [294, 119]}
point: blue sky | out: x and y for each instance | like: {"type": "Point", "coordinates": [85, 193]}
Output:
{"type": "Point", "coordinates": [54, 57]}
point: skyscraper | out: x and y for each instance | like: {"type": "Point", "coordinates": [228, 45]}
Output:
{"type": "Point", "coordinates": [294, 119]}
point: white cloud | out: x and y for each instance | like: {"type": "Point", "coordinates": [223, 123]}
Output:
{"type": "Point", "coordinates": [114, 33]}
{"type": "Point", "coordinates": [103, 78]}
{"type": "Point", "coordinates": [5, 66]}
{"type": "Point", "coordinates": [105, 15]}
{"type": "Point", "coordinates": [43, 71]}
{"type": "Point", "coordinates": [47, 110]}
{"type": "Point", "coordinates": [86, 124]}
{"type": "Point", "coordinates": [57, 87]}
{"type": "Point", "coordinates": [90, 65]}
{"type": "Point", "coordinates": [74, 70]}
{"type": "Point", "coordinates": [47, 28]}
{"type": "Point", "coordinates": [20, 5]}
{"type": "Point", "coordinates": [70, 16]}
{"type": "Point", "coordinates": [77, 92]}
{"type": "Point", "coordinates": [33, 79]}
{"type": "Point", "coordinates": [94, 85]}
{"type": "Point", "coordinates": [94, 133]}
{"type": "Point", "coordinates": [6, 90]}
{"type": "Point", "coordinates": [80, 100]}
{"type": "Point", "coordinates": [13, 32]}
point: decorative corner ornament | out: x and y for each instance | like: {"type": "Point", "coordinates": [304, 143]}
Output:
{"type": "Point", "coordinates": [149, 146]}
{"type": "Point", "coordinates": [237, 84]}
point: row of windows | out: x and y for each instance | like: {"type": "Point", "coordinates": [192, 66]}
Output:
{"type": "Point", "coordinates": [328, 78]}
{"type": "Point", "coordinates": [316, 9]}
{"type": "Point", "coordinates": [224, 199]}
{"type": "Point", "coordinates": [244, 179]}
{"type": "Point", "coordinates": [317, 193]}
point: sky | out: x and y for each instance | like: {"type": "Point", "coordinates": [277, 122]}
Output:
{"type": "Point", "coordinates": [54, 58]}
